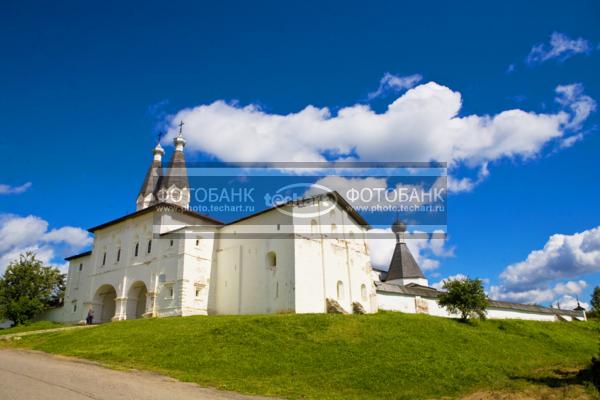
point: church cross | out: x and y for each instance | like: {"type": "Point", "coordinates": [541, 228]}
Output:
{"type": "Point", "coordinates": [181, 126]}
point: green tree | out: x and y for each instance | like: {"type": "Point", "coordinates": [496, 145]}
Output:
{"type": "Point", "coordinates": [596, 299]}
{"type": "Point", "coordinates": [28, 287]}
{"type": "Point", "coordinates": [465, 297]}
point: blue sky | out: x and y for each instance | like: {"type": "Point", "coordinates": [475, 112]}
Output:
{"type": "Point", "coordinates": [85, 86]}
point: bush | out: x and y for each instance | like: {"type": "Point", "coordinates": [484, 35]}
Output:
{"type": "Point", "coordinates": [465, 297]}
{"type": "Point", "coordinates": [29, 288]}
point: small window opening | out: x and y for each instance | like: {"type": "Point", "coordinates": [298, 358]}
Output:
{"type": "Point", "coordinates": [149, 246]}
{"type": "Point", "coordinates": [80, 266]}
{"type": "Point", "coordinates": [171, 244]}
{"type": "Point", "coordinates": [137, 249]}
{"type": "Point", "coordinates": [104, 259]}
{"type": "Point", "coordinates": [118, 255]}
{"type": "Point", "coordinates": [271, 259]}
{"type": "Point", "coordinates": [340, 291]}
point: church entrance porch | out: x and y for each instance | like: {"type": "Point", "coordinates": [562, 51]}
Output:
{"type": "Point", "coordinates": [136, 300]}
{"type": "Point", "coordinates": [104, 303]}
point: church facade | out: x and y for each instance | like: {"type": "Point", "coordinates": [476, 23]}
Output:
{"type": "Point", "coordinates": [166, 260]}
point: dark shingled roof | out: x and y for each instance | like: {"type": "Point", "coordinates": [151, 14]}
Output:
{"type": "Point", "coordinates": [180, 180]}
{"type": "Point", "coordinates": [425, 291]}
{"type": "Point", "coordinates": [152, 180]}
{"type": "Point", "coordinates": [403, 264]}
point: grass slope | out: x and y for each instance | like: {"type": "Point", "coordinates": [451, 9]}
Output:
{"type": "Point", "coordinates": [386, 355]}
{"type": "Point", "coordinates": [34, 326]}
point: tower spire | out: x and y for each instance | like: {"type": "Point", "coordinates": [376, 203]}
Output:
{"type": "Point", "coordinates": [175, 187]}
{"type": "Point", "coordinates": [148, 194]}
{"type": "Point", "coordinates": [403, 266]}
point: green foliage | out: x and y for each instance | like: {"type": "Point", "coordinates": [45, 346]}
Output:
{"type": "Point", "coordinates": [595, 302]}
{"type": "Point", "coordinates": [465, 297]}
{"type": "Point", "coordinates": [28, 288]}
{"type": "Point", "coordinates": [325, 356]}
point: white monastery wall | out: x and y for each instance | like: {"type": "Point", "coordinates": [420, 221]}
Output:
{"type": "Point", "coordinates": [254, 273]}
{"type": "Point", "coordinates": [332, 260]}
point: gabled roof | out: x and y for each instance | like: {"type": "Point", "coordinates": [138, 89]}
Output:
{"type": "Point", "coordinates": [84, 254]}
{"type": "Point", "coordinates": [157, 207]}
{"type": "Point", "coordinates": [403, 264]}
{"type": "Point", "coordinates": [333, 194]}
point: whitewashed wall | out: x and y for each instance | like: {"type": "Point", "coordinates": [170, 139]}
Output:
{"type": "Point", "coordinates": [242, 281]}
{"type": "Point", "coordinates": [332, 259]}
{"type": "Point", "coordinates": [408, 304]}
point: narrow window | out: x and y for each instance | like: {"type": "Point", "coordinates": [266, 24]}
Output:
{"type": "Point", "coordinates": [137, 249]}
{"type": "Point", "coordinates": [340, 291]}
{"type": "Point", "coordinates": [197, 292]}
{"type": "Point", "coordinates": [104, 259]}
{"type": "Point", "coordinates": [363, 292]}
{"type": "Point", "coordinates": [171, 292]}
{"type": "Point", "coordinates": [74, 307]}
{"type": "Point", "coordinates": [271, 259]}
{"type": "Point", "coordinates": [171, 242]}
{"type": "Point", "coordinates": [197, 242]}
{"type": "Point", "coordinates": [278, 227]}
{"type": "Point", "coordinates": [118, 255]}
{"type": "Point", "coordinates": [80, 266]}
{"type": "Point", "coordinates": [149, 246]}
{"type": "Point", "coordinates": [333, 228]}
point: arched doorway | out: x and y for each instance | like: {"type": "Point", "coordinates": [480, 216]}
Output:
{"type": "Point", "coordinates": [104, 303]}
{"type": "Point", "coordinates": [136, 300]}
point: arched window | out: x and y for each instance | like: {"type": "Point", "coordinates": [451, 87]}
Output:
{"type": "Point", "coordinates": [363, 292]}
{"type": "Point", "coordinates": [271, 259]}
{"type": "Point", "coordinates": [340, 291]}
{"type": "Point", "coordinates": [137, 249]}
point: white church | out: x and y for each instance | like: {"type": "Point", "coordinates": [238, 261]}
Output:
{"type": "Point", "coordinates": [166, 260]}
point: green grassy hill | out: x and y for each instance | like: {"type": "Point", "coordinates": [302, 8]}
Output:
{"type": "Point", "coordinates": [386, 355]}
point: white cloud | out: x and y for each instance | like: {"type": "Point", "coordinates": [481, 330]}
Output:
{"type": "Point", "coordinates": [423, 124]}
{"type": "Point", "coordinates": [439, 285]}
{"type": "Point", "coordinates": [381, 249]}
{"type": "Point", "coordinates": [7, 189]}
{"type": "Point", "coordinates": [19, 234]}
{"type": "Point", "coordinates": [563, 256]}
{"type": "Point", "coordinates": [581, 106]}
{"type": "Point", "coordinates": [393, 84]}
{"type": "Point", "coordinates": [561, 47]}
{"type": "Point", "coordinates": [538, 295]}
{"type": "Point", "coordinates": [465, 184]}
{"type": "Point", "coordinates": [544, 275]}
{"type": "Point", "coordinates": [568, 302]}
